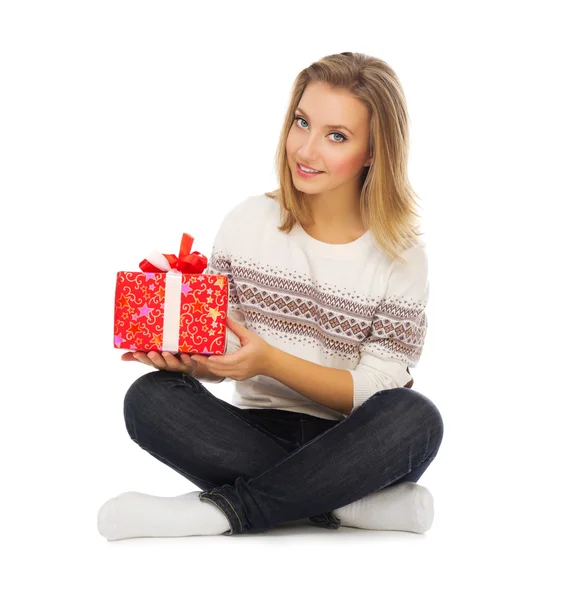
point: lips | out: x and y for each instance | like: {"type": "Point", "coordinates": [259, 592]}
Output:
{"type": "Point", "coordinates": [308, 167]}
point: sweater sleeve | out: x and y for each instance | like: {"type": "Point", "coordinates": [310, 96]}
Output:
{"type": "Point", "coordinates": [221, 263]}
{"type": "Point", "coordinates": [398, 329]}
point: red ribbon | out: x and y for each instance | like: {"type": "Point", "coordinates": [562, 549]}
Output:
{"type": "Point", "coordinates": [185, 262]}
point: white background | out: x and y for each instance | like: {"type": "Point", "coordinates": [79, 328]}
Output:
{"type": "Point", "coordinates": [123, 124]}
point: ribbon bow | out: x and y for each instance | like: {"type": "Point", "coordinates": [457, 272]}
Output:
{"type": "Point", "coordinates": [185, 262]}
{"type": "Point", "coordinates": [175, 267]}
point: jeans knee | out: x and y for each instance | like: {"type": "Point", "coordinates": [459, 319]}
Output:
{"type": "Point", "coordinates": [140, 401]}
{"type": "Point", "coordinates": [131, 406]}
{"type": "Point", "coordinates": [420, 409]}
{"type": "Point", "coordinates": [433, 421]}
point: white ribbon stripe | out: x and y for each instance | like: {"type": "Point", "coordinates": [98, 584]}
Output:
{"type": "Point", "coordinates": [172, 301]}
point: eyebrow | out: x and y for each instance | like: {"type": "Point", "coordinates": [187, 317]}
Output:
{"type": "Point", "coordinates": [328, 126]}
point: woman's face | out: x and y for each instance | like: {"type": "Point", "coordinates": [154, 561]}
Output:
{"type": "Point", "coordinates": [341, 154]}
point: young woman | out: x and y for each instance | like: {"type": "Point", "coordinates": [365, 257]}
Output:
{"type": "Point", "coordinates": [326, 313]}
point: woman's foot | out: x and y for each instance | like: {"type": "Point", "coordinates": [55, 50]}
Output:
{"type": "Point", "coordinates": [404, 506]}
{"type": "Point", "coordinates": [134, 514]}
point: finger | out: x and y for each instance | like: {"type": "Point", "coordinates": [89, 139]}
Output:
{"type": "Point", "coordinates": [142, 357]}
{"type": "Point", "coordinates": [128, 356]}
{"type": "Point", "coordinates": [157, 360]}
{"type": "Point", "coordinates": [222, 360]}
{"type": "Point", "coordinates": [202, 359]}
{"type": "Point", "coordinates": [172, 361]}
{"type": "Point", "coordinates": [190, 365]}
{"type": "Point", "coordinates": [212, 367]}
{"type": "Point", "coordinates": [187, 360]}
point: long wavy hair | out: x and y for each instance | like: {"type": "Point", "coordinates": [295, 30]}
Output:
{"type": "Point", "coordinates": [387, 200]}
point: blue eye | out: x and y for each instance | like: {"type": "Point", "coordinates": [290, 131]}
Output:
{"type": "Point", "coordinates": [344, 138]}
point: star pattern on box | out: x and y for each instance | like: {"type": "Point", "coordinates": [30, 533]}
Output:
{"type": "Point", "coordinates": [139, 312]}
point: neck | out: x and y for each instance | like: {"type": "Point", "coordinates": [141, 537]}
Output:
{"type": "Point", "coordinates": [335, 227]}
{"type": "Point", "coordinates": [336, 212]}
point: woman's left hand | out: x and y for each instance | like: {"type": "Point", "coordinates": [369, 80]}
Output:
{"type": "Point", "coordinates": [253, 358]}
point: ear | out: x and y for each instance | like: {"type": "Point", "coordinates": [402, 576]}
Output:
{"type": "Point", "coordinates": [368, 162]}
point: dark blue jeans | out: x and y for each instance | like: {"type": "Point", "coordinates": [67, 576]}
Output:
{"type": "Point", "coordinates": [262, 467]}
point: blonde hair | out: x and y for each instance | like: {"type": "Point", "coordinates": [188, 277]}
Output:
{"type": "Point", "coordinates": [387, 199]}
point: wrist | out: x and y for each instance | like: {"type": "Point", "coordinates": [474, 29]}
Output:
{"type": "Point", "coordinates": [271, 359]}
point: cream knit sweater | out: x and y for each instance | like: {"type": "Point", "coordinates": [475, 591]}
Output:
{"type": "Point", "coordinates": [345, 306]}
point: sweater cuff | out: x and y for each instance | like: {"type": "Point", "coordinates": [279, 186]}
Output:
{"type": "Point", "coordinates": [232, 345]}
{"type": "Point", "coordinates": [232, 342]}
{"type": "Point", "coordinates": [364, 389]}
{"type": "Point", "coordinates": [361, 388]}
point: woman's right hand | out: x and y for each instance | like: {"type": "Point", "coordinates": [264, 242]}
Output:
{"type": "Point", "coordinates": [165, 361]}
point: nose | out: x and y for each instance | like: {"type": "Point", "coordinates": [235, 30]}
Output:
{"type": "Point", "coordinates": [307, 153]}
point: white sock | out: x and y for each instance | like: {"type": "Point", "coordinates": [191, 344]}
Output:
{"type": "Point", "coordinates": [134, 514]}
{"type": "Point", "coordinates": [404, 506]}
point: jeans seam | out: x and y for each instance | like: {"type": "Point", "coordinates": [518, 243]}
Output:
{"type": "Point", "coordinates": [393, 480]}
{"type": "Point", "coordinates": [195, 384]}
{"type": "Point", "coordinates": [232, 507]}
{"type": "Point", "coordinates": [219, 508]}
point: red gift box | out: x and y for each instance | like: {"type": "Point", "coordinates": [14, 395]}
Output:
{"type": "Point", "coordinates": [171, 306]}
